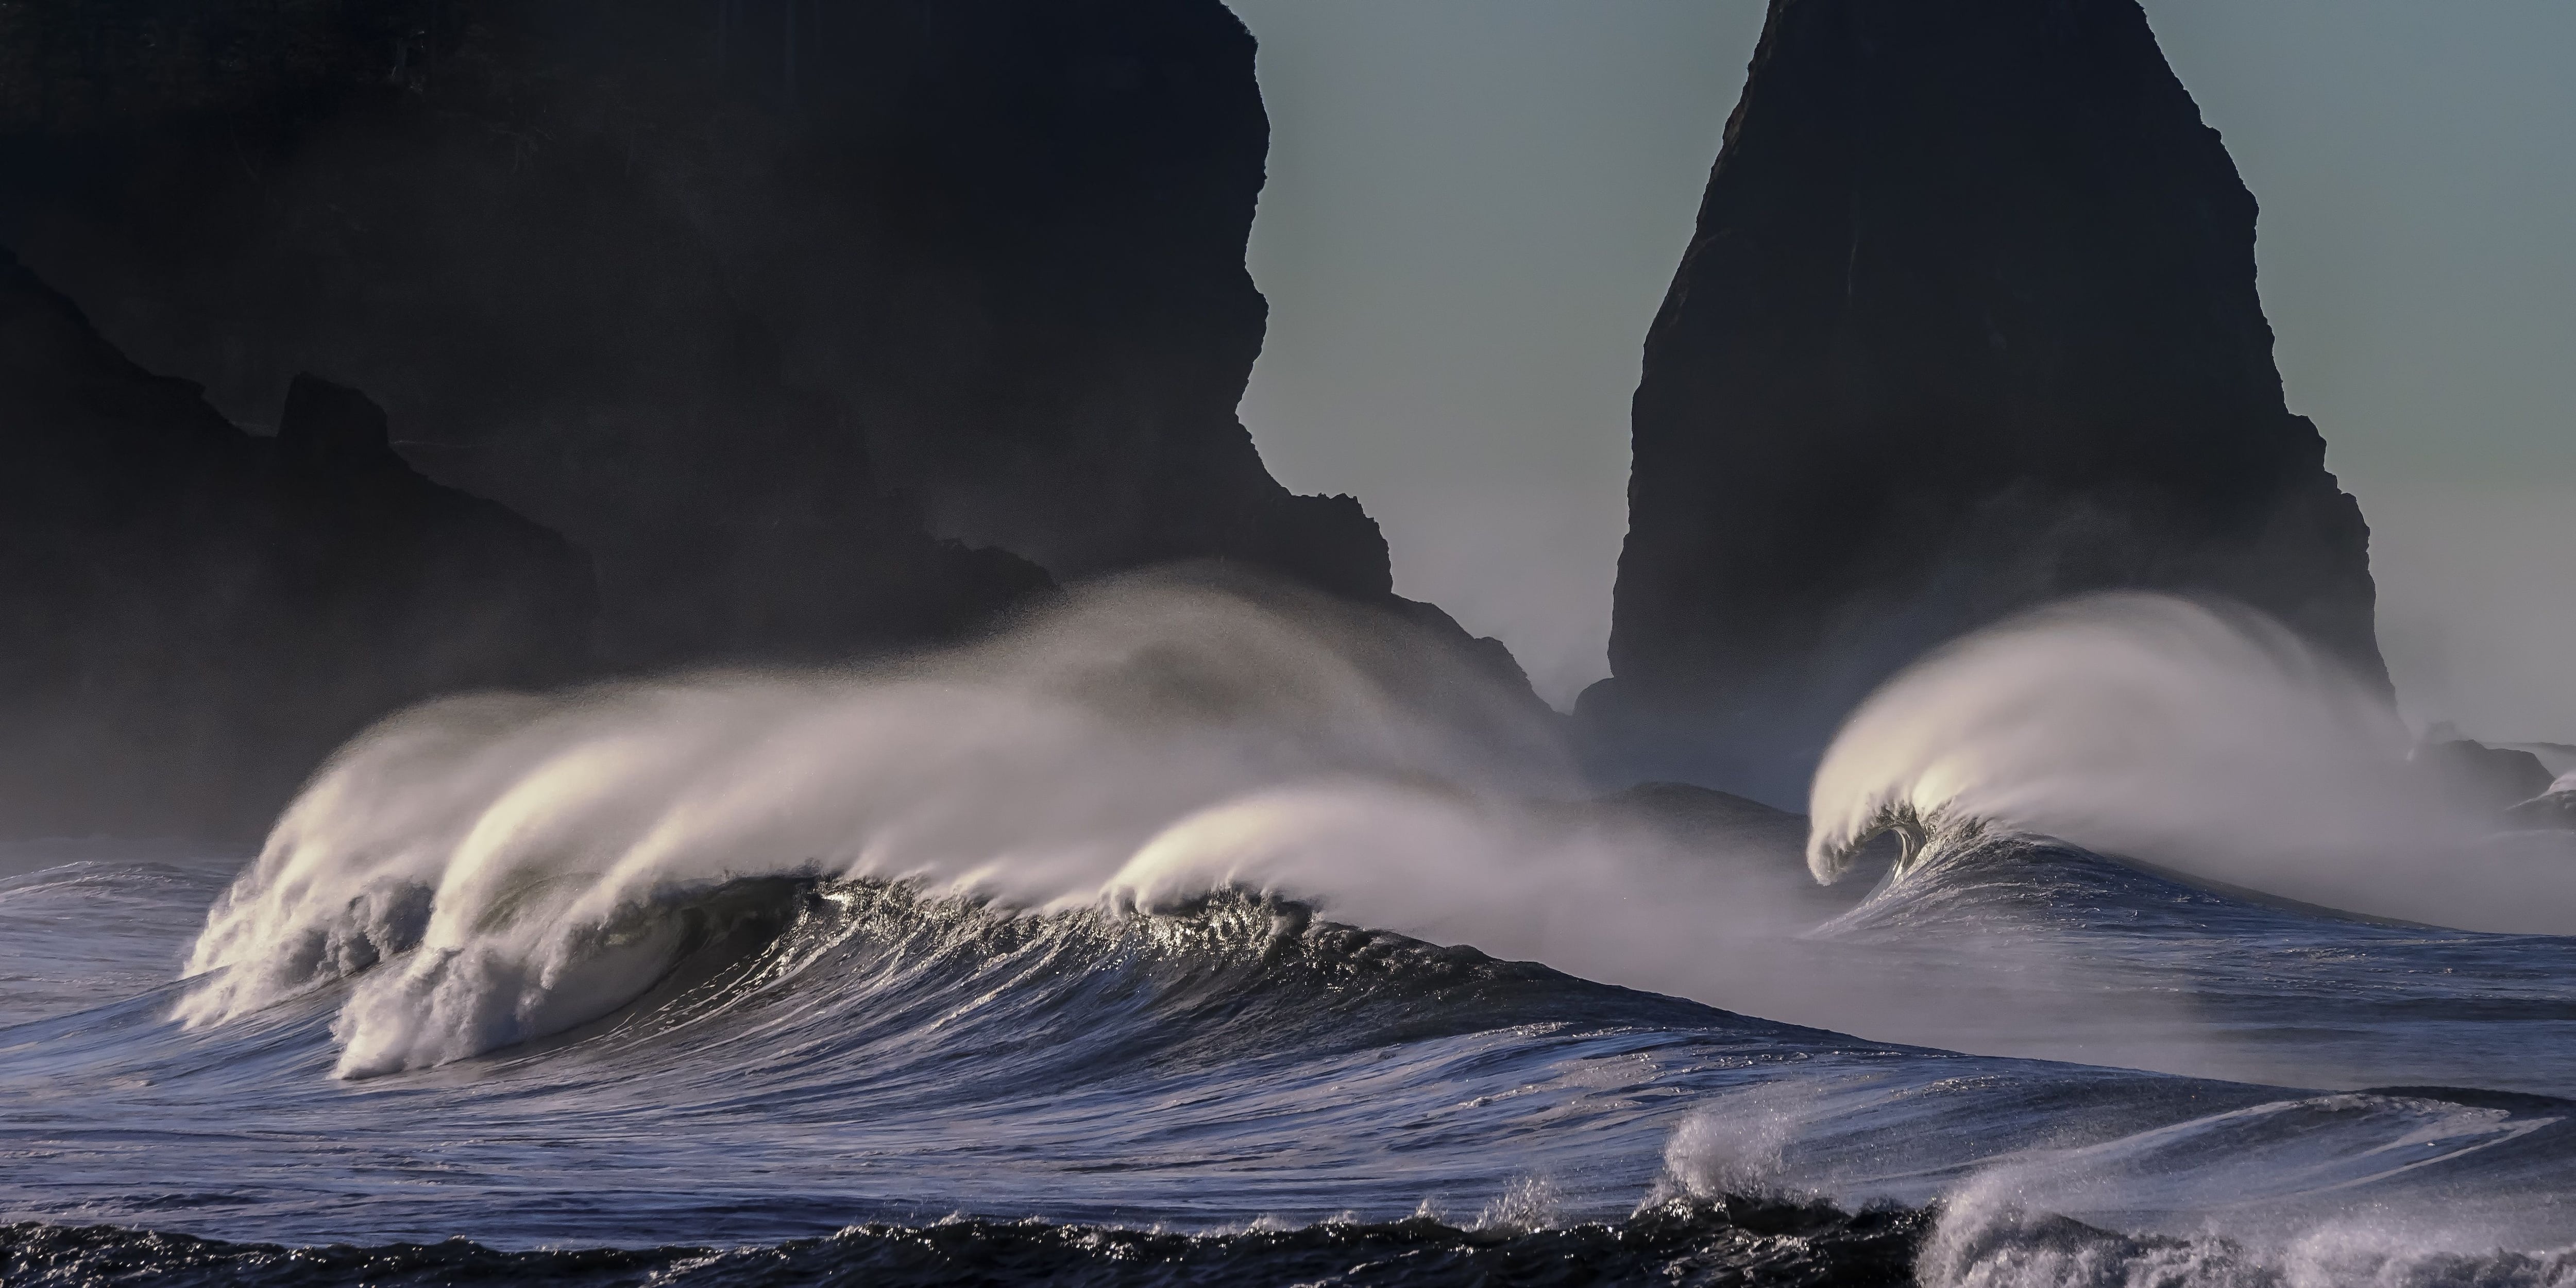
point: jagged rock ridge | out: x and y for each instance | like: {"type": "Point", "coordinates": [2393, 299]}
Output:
{"type": "Point", "coordinates": [1968, 322]}
{"type": "Point", "coordinates": [191, 616]}
{"type": "Point", "coordinates": [726, 292]}
{"type": "Point", "coordinates": [824, 329]}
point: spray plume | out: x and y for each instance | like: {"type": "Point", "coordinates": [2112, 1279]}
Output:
{"type": "Point", "coordinates": [2200, 737]}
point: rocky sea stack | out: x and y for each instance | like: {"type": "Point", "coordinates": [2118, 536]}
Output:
{"type": "Point", "coordinates": [1968, 323]}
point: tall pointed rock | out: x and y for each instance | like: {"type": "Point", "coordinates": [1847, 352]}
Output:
{"type": "Point", "coordinates": [1968, 323]}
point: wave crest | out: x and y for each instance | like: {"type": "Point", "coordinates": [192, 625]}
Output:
{"type": "Point", "coordinates": [2112, 720]}
{"type": "Point", "coordinates": [538, 861]}
{"type": "Point", "coordinates": [1921, 835]}
{"type": "Point", "coordinates": [2202, 738]}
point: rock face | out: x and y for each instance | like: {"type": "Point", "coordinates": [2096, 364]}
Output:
{"type": "Point", "coordinates": [191, 617]}
{"type": "Point", "coordinates": [766, 303]}
{"type": "Point", "coordinates": [1968, 322]}
{"type": "Point", "coordinates": [823, 328]}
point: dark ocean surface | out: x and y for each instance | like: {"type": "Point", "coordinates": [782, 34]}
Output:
{"type": "Point", "coordinates": [852, 1081]}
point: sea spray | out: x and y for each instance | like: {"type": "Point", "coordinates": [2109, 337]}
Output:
{"type": "Point", "coordinates": [1162, 1021]}
{"type": "Point", "coordinates": [490, 870]}
{"type": "Point", "coordinates": [2296, 1192]}
{"type": "Point", "coordinates": [515, 850]}
{"type": "Point", "coordinates": [2197, 736]}
{"type": "Point", "coordinates": [1991, 1233]}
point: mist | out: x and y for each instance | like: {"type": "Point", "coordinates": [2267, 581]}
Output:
{"type": "Point", "coordinates": [2478, 597]}
{"type": "Point", "coordinates": [486, 871]}
{"type": "Point", "coordinates": [1471, 212]}
{"type": "Point", "coordinates": [1474, 208]}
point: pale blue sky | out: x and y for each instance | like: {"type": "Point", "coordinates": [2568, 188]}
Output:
{"type": "Point", "coordinates": [1475, 205]}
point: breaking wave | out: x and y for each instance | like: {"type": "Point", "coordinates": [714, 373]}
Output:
{"type": "Point", "coordinates": [1214, 940]}
{"type": "Point", "coordinates": [489, 871]}
{"type": "Point", "coordinates": [495, 869]}
{"type": "Point", "coordinates": [2201, 738]}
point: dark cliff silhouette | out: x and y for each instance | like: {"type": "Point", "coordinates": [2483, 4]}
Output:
{"type": "Point", "coordinates": [725, 290]}
{"type": "Point", "coordinates": [192, 617]}
{"type": "Point", "coordinates": [1968, 322]}
{"type": "Point", "coordinates": [823, 328]}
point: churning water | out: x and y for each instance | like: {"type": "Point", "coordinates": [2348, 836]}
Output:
{"type": "Point", "coordinates": [1180, 937]}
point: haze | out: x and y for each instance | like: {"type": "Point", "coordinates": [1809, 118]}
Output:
{"type": "Point", "coordinates": [1474, 208]}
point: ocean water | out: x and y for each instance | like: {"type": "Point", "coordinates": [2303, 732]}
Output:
{"type": "Point", "coordinates": [1179, 939]}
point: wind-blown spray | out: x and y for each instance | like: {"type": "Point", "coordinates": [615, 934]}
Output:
{"type": "Point", "coordinates": [525, 853]}
{"type": "Point", "coordinates": [486, 871]}
{"type": "Point", "coordinates": [2200, 737]}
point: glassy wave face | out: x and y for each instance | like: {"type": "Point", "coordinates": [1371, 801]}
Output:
{"type": "Point", "coordinates": [1183, 939]}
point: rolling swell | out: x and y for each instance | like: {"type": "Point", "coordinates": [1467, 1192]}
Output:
{"type": "Point", "coordinates": [2012, 942]}
{"type": "Point", "coordinates": [870, 1051]}
{"type": "Point", "coordinates": [855, 1060]}
{"type": "Point", "coordinates": [879, 980]}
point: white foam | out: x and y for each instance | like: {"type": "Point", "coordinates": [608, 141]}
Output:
{"type": "Point", "coordinates": [513, 848]}
{"type": "Point", "coordinates": [2325, 1190]}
